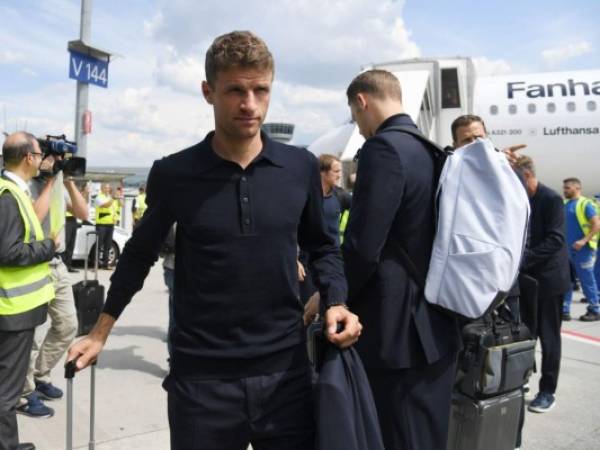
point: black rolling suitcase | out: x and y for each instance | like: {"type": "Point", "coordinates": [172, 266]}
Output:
{"type": "Point", "coordinates": [89, 296]}
{"type": "Point", "coordinates": [487, 424]}
{"type": "Point", "coordinates": [69, 374]}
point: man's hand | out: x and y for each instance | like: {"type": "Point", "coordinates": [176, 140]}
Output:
{"type": "Point", "coordinates": [301, 271]}
{"type": "Point", "coordinates": [511, 152]}
{"type": "Point", "coordinates": [47, 164]}
{"type": "Point", "coordinates": [351, 326]}
{"type": "Point", "coordinates": [88, 348]}
{"type": "Point", "coordinates": [578, 245]}
{"type": "Point", "coordinates": [311, 309]}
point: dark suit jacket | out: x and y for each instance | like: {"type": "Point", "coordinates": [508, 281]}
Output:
{"type": "Point", "coordinates": [393, 205]}
{"type": "Point", "coordinates": [345, 412]}
{"type": "Point", "coordinates": [547, 257]}
{"type": "Point", "coordinates": [14, 252]}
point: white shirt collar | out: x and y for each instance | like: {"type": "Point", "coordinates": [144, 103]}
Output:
{"type": "Point", "coordinates": [18, 180]}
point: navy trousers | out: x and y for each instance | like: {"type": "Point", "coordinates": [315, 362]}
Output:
{"type": "Point", "coordinates": [413, 405]}
{"type": "Point", "coordinates": [271, 412]}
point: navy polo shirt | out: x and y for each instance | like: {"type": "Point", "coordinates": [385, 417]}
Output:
{"type": "Point", "coordinates": [236, 305]}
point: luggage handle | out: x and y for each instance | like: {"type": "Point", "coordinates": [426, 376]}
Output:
{"type": "Point", "coordinates": [87, 251]}
{"type": "Point", "coordinates": [70, 369]}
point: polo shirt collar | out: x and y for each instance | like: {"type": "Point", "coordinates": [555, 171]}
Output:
{"type": "Point", "coordinates": [209, 159]}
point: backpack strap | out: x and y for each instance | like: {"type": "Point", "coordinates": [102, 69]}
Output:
{"type": "Point", "coordinates": [438, 151]}
{"type": "Point", "coordinates": [414, 132]}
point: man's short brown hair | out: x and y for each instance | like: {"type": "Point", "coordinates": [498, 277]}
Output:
{"type": "Point", "coordinates": [525, 162]}
{"type": "Point", "coordinates": [378, 83]}
{"type": "Point", "coordinates": [326, 161]}
{"type": "Point", "coordinates": [465, 121]}
{"type": "Point", "coordinates": [237, 49]}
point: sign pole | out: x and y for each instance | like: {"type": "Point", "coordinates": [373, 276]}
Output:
{"type": "Point", "coordinates": [81, 101]}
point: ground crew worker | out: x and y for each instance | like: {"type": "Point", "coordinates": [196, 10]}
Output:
{"type": "Point", "coordinates": [583, 225]}
{"type": "Point", "coordinates": [50, 344]}
{"type": "Point", "coordinates": [139, 205]}
{"type": "Point", "coordinates": [118, 206]}
{"type": "Point", "coordinates": [25, 283]}
{"type": "Point", "coordinates": [105, 224]}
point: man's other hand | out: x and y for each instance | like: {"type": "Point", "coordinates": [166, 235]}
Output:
{"type": "Point", "coordinates": [511, 152]}
{"type": "Point", "coordinates": [351, 326]}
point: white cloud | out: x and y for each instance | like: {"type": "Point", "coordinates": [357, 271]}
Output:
{"type": "Point", "coordinates": [9, 57]}
{"type": "Point", "coordinates": [183, 74]}
{"type": "Point", "coordinates": [485, 67]}
{"type": "Point", "coordinates": [557, 55]}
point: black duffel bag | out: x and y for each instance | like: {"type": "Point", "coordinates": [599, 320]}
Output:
{"type": "Point", "coordinates": [498, 357]}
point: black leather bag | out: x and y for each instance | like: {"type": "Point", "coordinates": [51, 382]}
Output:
{"type": "Point", "coordinates": [498, 357]}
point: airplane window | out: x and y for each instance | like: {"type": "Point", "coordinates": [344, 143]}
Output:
{"type": "Point", "coordinates": [450, 91]}
{"type": "Point", "coordinates": [591, 105]}
{"type": "Point", "coordinates": [512, 109]}
{"type": "Point", "coordinates": [531, 108]}
{"type": "Point", "coordinates": [571, 106]}
{"type": "Point", "coordinates": [551, 107]}
{"type": "Point", "coordinates": [493, 110]}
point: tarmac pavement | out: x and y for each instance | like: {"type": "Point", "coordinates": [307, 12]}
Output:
{"type": "Point", "coordinates": [131, 406]}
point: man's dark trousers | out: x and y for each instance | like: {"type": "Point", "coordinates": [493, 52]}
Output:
{"type": "Point", "coordinates": [549, 322]}
{"type": "Point", "coordinates": [272, 412]}
{"type": "Point", "coordinates": [105, 235]}
{"type": "Point", "coordinates": [410, 401]}
{"type": "Point", "coordinates": [15, 348]}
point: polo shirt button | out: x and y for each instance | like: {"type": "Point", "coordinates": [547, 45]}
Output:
{"type": "Point", "coordinates": [247, 221]}
{"type": "Point", "coordinates": [244, 179]}
{"type": "Point", "coordinates": [245, 199]}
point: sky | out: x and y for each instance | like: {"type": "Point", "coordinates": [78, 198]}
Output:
{"type": "Point", "coordinates": [153, 105]}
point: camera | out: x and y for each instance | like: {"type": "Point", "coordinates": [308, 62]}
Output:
{"type": "Point", "coordinates": [71, 165]}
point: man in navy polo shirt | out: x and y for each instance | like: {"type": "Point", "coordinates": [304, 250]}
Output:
{"type": "Point", "coordinates": [242, 203]}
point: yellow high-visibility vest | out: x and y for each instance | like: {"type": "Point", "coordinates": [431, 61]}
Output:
{"type": "Point", "coordinates": [343, 223]}
{"type": "Point", "coordinates": [26, 287]}
{"type": "Point", "coordinates": [584, 223]}
{"type": "Point", "coordinates": [140, 206]}
{"type": "Point", "coordinates": [105, 214]}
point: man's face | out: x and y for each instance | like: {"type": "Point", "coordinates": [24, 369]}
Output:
{"type": "Point", "coordinates": [467, 134]}
{"type": "Point", "coordinates": [570, 190]}
{"type": "Point", "coordinates": [332, 176]}
{"type": "Point", "coordinates": [34, 160]}
{"type": "Point", "coordinates": [106, 189]}
{"type": "Point", "coordinates": [240, 99]}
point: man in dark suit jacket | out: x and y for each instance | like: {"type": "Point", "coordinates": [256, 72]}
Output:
{"type": "Point", "coordinates": [408, 348]}
{"type": "Point", "coordinates": [547, 260]}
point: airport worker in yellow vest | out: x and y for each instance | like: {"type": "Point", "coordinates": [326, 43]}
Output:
{"type": "Point", "coordinates": [583, 225]}
{"type": "Point", "coordinates": [105, 224]}
{"type": "Point", "coordinates": [25, 283]}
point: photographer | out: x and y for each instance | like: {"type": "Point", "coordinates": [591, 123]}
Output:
{"type": "Point", "coordinates": [52, 194]}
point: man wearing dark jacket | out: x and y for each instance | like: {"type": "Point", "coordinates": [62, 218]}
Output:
{"type": "Point", "coordinates": [408, 348]}
{"type": "Point", "coordinates": [546, 260]}
{"type": "Point", "coordinates": [242, 204]}
{"type": "Point", "coordinates": [25, 284]}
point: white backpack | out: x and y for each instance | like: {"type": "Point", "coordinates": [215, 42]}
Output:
{"type": "Point", "coordinates": [482, 221]}
{"type": "Point", "coordinates": [483, 214]}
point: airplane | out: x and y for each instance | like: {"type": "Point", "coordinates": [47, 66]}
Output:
{"type": "Point", "coordinates": [556, 114]}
